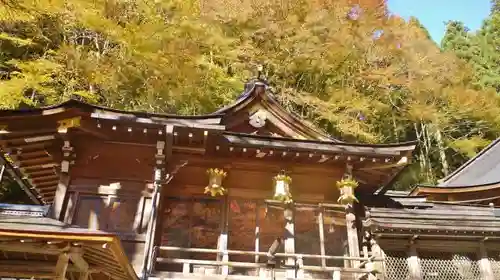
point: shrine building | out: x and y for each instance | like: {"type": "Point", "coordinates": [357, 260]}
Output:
{"type": "Point", "coordinates": [250, 191]}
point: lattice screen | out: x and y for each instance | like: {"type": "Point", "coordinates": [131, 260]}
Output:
{"type": "Point", "coordinates": [396, 266]}
{"type": "Point", "coordinates": [494, 258]}
{"type": "Point", "coordinates": [448, 266]}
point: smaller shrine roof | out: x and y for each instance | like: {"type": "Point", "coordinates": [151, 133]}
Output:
{"type": "Point", "coordinates": [42, 240]}
{"type": "Point", "coordinates": [479, 170]}
{"type": "Point", "coordinates": [475, 194]}
{"type": "Point", "coordinates": [440, 219]}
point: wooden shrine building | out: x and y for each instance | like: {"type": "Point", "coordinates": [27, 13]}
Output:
{"type": "Point", "coordinates": [475, 182]}
{"type": "Point", "coordinates": [250, 191]}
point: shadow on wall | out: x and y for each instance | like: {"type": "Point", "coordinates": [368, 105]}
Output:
{"type": "Point", "coordinates": [125, 212]}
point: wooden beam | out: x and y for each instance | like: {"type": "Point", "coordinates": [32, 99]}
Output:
{"type": "Point", "coordinates": [50, 177]}
{"type": "Point", "coordinates": [76, 256]}
{"type": "Point", "coordinates": [92, 129]}
{"type": "Point", "coordinates": [413, 262]}
{"type": "Point", "coordinates": [289, 240]}
{"type": "Point", "coordinates": [352, 234]}
{"type": "Point", "coordinates": [2, 171]}
{"type": "Point", "coordinates": [30, 168]}
{"type": "Point", "coordinates": [22, 155]}
{"type": "Point", "coordinates": [315, 146]}
{"type": "Point", "coordinates": [84, 275]}
{"type": "Point", "coordinates": [8, 132]}
{"type": "Point", "coordinates": [484, 263]}
{"type": "Point", "coordinates": [223, 236]}
{"type": "Point", "coordinates": [44, 191]}
{"type": "Point", "coordinates": [27, 163]}
{"type": "Point", "coordinates": [321, 235]}
{"type": "Point", "coordinates": [63, 184]}
{"type": "Point", "coordinates": [209, 123]}
{"type": "Point", "coordinates": [10, 271]}
{"type": "Point", "coordinates": [32, 265]}
{"type": "Point", "coordinates": [148, 262]}
{"type": "Point", "coordinates": [61, 267]}
{"type": "Point", "coordinates": [35, 248]}
{"type": "Point", "coordinates": [32, 174]}
{"type": "Point", "coordinates": [350, 217]}
{"type": "Point", "coordinates": [31, 146]}
{"type": "Point", "coordinates": [66, 124]}
{"type": "Point", "coordinates": [378, 253]}
{"type": "Point", "coordinates": [169, 141]}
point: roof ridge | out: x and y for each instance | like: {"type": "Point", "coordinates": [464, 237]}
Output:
{"type": "Point", "coordinates": [444, 181]}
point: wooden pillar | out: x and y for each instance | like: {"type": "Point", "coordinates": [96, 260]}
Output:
{"type": "Point", "coordinates": [377, 252]}
{"type": "Point", "coordinates": [149, 252]}
{"type": "Point", "coordinates": [413, 262]}
{"type": "Point", "coordinates": [321, 228]}
{"type": "Point", "coordinates": [61, 266]}
{"type": "Point", "coordinates": [369, 264]}
{"type": "Point", "coordinates": [336, 275]}
{"type": "Point", "coordinates": [350, 218]}
{"type": "Point", "coordinates": [484, 263]}
{"type": "Point", "coordinates": [257, 232]}
{"type": "Point", "coordinates": [223, 237]}
{"type": "Point", "coordinates": [289, 239]}
{"type": "Point", "coordinates": [2, 170]}
{"type": "Point", "coordinates": [61, 195]}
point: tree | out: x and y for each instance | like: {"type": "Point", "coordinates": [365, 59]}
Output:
{"type": "Point", "coordinates": [417, 23]}
{"type": "Point", "coordinates": [495, 6]}
{"type": "Point", "coordinates": [350, 67]}
{"type": "Point", "coordinates": [479, 49]}
{"type": "Point", "coordinates": [457, 39]}
{"type": "Point", "coordinates": [10, 192]}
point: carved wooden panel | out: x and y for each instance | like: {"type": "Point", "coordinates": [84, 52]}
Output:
{"type": "Point", "coordinates": [205, 228]}
{"type": "Point", "coordinates": [307, 235]}
{"type": "Point", "coordinates": [272, 225]}
{"type": "Point", "coordinates": [242, 223]}
{"type": "Point", "coordinates": [335, 236]}
{"type": "Point", "coordinates": [191, 223]}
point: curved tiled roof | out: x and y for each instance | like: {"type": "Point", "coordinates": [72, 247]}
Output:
{"type": "Point", "coordinates": [482, 169]}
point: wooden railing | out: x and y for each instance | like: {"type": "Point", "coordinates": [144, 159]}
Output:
{"type": "Point", "coordinates": [364, 268]}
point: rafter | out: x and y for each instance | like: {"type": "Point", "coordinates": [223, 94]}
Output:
{"type": "Point", "coordinates": [31, 247]}
{"type": "Point", "coordinates": [76, 256]}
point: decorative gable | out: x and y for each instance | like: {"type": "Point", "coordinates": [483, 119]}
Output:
{"type": "Point", "coordinates": [257, 112]}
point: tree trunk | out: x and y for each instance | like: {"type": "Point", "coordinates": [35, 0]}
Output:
{"type": "Point", "coordinates": [442, 153]}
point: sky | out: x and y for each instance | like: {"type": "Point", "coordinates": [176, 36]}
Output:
{"type": "Point", "coordinates": [434, 13]}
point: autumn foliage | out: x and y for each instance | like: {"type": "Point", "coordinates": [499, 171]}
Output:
{"type": "Point", "coordinates": [349, 66]}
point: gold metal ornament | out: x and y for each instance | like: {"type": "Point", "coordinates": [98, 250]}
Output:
{"type": "Point", "coordinates": [346, 187]}
{"type": "Point", "coordinates": [215, 177]}
{"type": "Point", "coordinates": [282, 188]}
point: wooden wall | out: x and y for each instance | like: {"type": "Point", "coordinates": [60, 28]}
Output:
{"type": "Point", "coordinates": [110, 190]}
{"type": "Point", "coordinates": [193, 219]}
{"type": "Point", "coordinates": [254, 180]}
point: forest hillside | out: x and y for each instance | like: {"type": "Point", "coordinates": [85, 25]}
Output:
{"type": "Point", "coordinates": [351, 67]}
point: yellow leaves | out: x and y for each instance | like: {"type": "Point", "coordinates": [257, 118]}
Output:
{"type": "Point", "coordinates": [190, 56]}
{"type": "Point", "coordinates": [15, 40]}
{"type": "Point", "coordinates": [420, 112]}
{"type": "Point", "coordinates": [11, 93]}
{"type": "Point", "coordinates": [469, 146]}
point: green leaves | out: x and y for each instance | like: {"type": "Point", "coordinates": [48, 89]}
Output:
{"type": "Point", "coordinates": [369, 77]}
